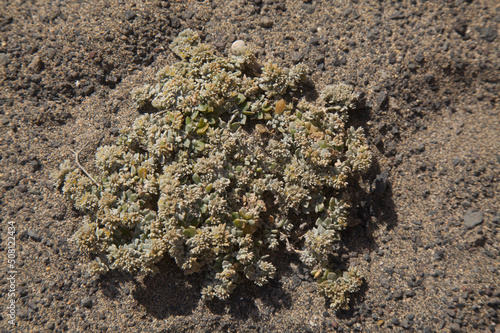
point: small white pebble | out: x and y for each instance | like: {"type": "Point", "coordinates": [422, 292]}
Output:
{"type": "Point", "coordinates": [238, 47]}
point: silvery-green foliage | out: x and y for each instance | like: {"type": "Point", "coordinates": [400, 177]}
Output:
{"type": "Point", "coordinates": [217, 178]}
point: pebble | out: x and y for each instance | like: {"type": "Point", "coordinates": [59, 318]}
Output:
{"type": "Point", "coordinates": [36, 64]}
{"type": "Point", "coordinates": [398, 15]}
{"type": "Point", "coordinates": [460, 26]}
{"type": "Point", "coordinates": [266, 22]}
{"type": "Point", "coordinates": [34, 235]}
{"type": "Point", "coordinates": [51, 53]}
{"type": "Point", "coordinates": [88, 90]}
{"type": "Point", "coordinates": [397, 295]}
{"type": "Point", "coordinates": [438, 255]}
{"type": "Point", "coordinates": [87, 302]}
{"type": "Point", "coordinates": [238, 47]}
{"type": "Point", "coordinates": [379, 185]}
{"type": "Point", "coordinates": [382, 100]}
{"type": "Point", "coordinates": [455, 328]}
{"type": "Point", "coordinates": [419, 57]}
{"type": "Point", "coordinates": [4, 59]}
{"type": "Point", "coordinates": [295, 282]}
{"type": "Point", "coordinates": [405, 324]}
{"type": "Point", "coordinates": [472, 219]}
{"type": "Point", "coordinates": [130, 15]}
{"type": "Point", "coordinates": [488, 33]}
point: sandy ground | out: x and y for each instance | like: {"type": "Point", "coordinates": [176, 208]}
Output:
{"type": "Point", "coordinates": [426, 237]}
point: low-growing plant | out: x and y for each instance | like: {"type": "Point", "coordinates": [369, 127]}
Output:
{"type": "Point", "coordinates": [229, 169]}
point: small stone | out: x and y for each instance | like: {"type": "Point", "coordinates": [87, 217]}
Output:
{"type": "Point", "coordinates": [398, 15]}
{"type": "Point", "coordinates": [455, 328]}
{"type": "Point", "coordinates": [419, 57]}
{"type": "Point", "coordinates": [380, 183]}
{"type": "Point", "coordinates": [130, 15]}
{"type": "Point", "coordinates": [51, 53]}
{"type": "Point", "coordinates": [314, 41]}
{"type": "Point", "coordinates": [472, 219]}
{"type": "Point", "coordinates": [460, 27]}
{"type": "Point", "coordinates": [488, 33]}
{"type": "Point", "coordinates": [392, 58]}
{"type": "Point", "coordinates": [382, 100]}
{"type": "Point", "coordinates": [494, 302]}
{"type": "Point", "coordinates": [438, 255]}
{"type": "Point", "coordinates": [4, 59]}
{"type": "Point", "coordinates": [266, 22]}
{"type": "Point", "coordinates": [88, 90]}
{"type": "Point", "coordinates": [397, 295]}
{"type": "Point", "coordinates": [34, 236]}
{"type": "Point", "coordinates": [36, 64]}
{"type": "Point", "coordinates": [297, 57]}
{"type": "Point", "coordinates": [238, 47]}
{"type": "Point", "coordinates": [87, 302]}
{"type": "Point", "coordinates": [308, 8]}
{"type": "Point", "coordinates": [295, 282]}
{"type": "Point", "coordinates": [395, 321]}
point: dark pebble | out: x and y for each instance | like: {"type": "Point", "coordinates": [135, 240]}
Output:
{"type": "Point", "coordinates": [397, 295]}
{"type": "Point", "coordinates": [308, 8]}
{"type": "Point", "coordinates": [460, 27]}
{"type": "Point", "coordinates": [438, 255]}
{"type": "Point", "coordinates": [494, 302]}
{"type": "Point", "coordinates": [472, 219]}
{"type": "Point", "coordinates": [455, 328]}
{"type": "Point", "coordinates": [32, 306]}
{"type": "Point", "coordinates": [398, 15]}
{"type": "Point", "coordinates": [4, 59]}
{"type": "Point", "coordinates": [36, 64]}
{"type": "Point", "coordinates": [88, 90]}
{"type": "Point", "coordinates": [385, 283]}
{"type": "Point", "coordinates": [419, 57]}
{"type": "Point", "coordinates": [295, 282]}
{"type": "Point", "coordinates": [34, 236]}
{"type": "Point", "coordinates": [87, 302]}
{"type": "Point", "coordinates": [395, 321]}
{"type": "Point", "coordinates": [488, 33]}
{"type": "Point", "coordinates": [382, 100]}
{"type": "Point", "coordinates": [130, 15]}
{"type": "Point", "coordinates": [380, 183]}
{"type": "Point", "coordinates": [266, 22]}
{"type": "Point", "coordinates": [51, 53]}
{"type": "Point", "coordinates": [297, 57]}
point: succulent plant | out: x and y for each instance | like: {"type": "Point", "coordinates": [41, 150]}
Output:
{"type": "Point", "coordinates": [217, 176]}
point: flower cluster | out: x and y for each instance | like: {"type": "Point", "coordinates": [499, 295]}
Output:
{"type": "Point", "coordinates": [219, 174]}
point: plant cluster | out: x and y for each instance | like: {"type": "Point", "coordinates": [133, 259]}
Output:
{"type": "Point", "coordinates": [224, 173]}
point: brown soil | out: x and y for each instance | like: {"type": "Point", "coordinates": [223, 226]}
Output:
{"type": "Point", "coordinates": [426, 235]}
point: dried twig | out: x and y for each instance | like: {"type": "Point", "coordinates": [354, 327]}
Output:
{"type": "Point", "coordinates": [81, 167]}
{"type": "Point", "coordinates": [289, 247]}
